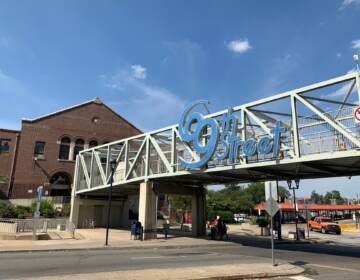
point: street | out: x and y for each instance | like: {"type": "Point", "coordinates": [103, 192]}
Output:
{"type": "Point", "coordinates": [321, 261]}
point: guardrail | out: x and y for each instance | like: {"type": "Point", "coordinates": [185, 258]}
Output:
{"type": "Point", "coordinates": [27, 225]}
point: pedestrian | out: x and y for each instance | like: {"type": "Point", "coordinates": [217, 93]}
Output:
{"type": "Point", "coordinates": [133, 231]}
{"type": "Point", "coordinates": [137, 230]}
{"type": "Point", "coordinates": [166, 227]}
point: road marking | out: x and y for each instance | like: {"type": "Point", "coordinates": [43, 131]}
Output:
{"type": "Point", "coordinates": [167, 257]}
{"type": "Point", "coordinates": [335, 267]}
{"type": "Point", "coordinates": [300, 278]}
{"type": "Point", "coordinates": [153, 257]}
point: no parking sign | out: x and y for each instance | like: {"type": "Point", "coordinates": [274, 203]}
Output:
{"type": "Point", "coordinates": [357, 114]}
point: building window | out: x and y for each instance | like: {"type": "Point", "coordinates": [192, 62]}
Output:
{"type": "Point", "coordinates": [4, 145]}
{"type": "Point", "coordinates": [79, 146]}
{"type": "Point", "coordinates": [64, 148]}
{"type": "Point", "coordinates": [93, 143]}
{"type": "Point", "coordinates": [95, 120]}
{"type": "Point", "coordinates": [39, 149]}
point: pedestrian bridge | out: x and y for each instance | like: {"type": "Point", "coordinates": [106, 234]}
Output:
{"type": "Point", "coordinates": [310, 132]}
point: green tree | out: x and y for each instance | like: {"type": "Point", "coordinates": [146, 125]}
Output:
{"type": "Point", "coordinates": [316, 198]}
{"type": "Point", "coordinates": [336, 195]}
{"type": "Point", "coordinates": [7, 210]}
{"type": "Point", "coordinates": [180, 202]}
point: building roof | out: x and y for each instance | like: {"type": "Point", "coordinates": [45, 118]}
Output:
{"type": "Point", "coordinates": [9, 130]}
{"type": "Point", "coordinates": [97, 100]}
{"type": "Point", "coordinates": [312, 207]}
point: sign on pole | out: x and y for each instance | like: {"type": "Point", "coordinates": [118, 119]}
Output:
{"type": "Point", "coordinates": [271, 207]}
{"type": "Point", "coordinates": [357, 114]}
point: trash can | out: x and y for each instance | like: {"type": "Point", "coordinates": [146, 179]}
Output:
{"type": "Point", "coordinates": [301, 233]}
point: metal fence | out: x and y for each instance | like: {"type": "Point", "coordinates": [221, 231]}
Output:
{"type": "Point", "coordinates": [27, 225]}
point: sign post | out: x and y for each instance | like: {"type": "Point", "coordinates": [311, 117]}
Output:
{"type": "Point", "coordinates": [271, 208]}
{"type": "Point", "coordinates": [37, 211]}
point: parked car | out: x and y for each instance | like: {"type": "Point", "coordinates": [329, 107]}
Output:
{"type": "Point", "coordinates": [240, 218]}
{"type": "Point", "coordinates": [324, 224]}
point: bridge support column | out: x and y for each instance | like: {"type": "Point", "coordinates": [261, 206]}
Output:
{"type": "Point", "coordinates": [75, 208]}
{"type": "Point", "coordinates": [147, 210]}
{"type": "Point", "coordinates": [199, 213]}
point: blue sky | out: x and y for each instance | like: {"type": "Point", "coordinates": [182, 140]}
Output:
{"type": "Point", "coordinates": [147, 59]}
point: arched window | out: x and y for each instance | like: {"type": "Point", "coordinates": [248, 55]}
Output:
{"type": "Point", "coordinates": [64, 148]}
{"type": "Point", "coordinates": [79, 146]}
{"type": "Point", "coordinates": [93, 143]}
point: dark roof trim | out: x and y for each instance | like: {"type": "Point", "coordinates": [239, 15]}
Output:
{"type": "Point", "coordinates": [9, 130]}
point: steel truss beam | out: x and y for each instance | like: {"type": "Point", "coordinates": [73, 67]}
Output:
{"type": "Point", "coordinates": [156, 153]}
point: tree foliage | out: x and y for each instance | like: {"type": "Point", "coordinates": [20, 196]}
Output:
{"type": "Point", "coordinates": [237, 199]}
{"type": "Point", "coordinates": [47, 208]}
{"type": "Point", "coordinates": [334, 196]}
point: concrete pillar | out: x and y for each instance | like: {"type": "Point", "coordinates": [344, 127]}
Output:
{"type": "Point", "coordinates": [75, 208]}
{"type": "Point", "coordinates": [199, 213]}
{"type": "Point", "coordinates": [148, 209]}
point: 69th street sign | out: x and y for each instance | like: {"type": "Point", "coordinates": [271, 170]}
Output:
{"type": "Point", "coordinates": [357, 114]}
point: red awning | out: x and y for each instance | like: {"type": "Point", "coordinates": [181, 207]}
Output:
{"type": "Point", "coordinates": [313, 207]}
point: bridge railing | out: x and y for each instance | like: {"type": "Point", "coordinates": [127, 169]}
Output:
{"type": "Point", "coordinates": [318, 119]}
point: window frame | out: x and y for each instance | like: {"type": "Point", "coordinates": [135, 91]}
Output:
{"type": "Point", "coordinates": [39, 155]}
{"type": "Point", "coordinates": [64, 144]}
{"type": "Point", "coordinates": [76, 147]}
{"type": "Point", "coordinates": [4, 140]}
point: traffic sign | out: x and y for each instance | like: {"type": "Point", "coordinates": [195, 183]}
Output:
{"type": "Point", "coordinates": [357, 114]}
{"type": "Point", "coordinates": [271, 206]}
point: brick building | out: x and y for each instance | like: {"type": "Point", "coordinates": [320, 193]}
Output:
{"type": "Point", "coordinates": [43, 152]}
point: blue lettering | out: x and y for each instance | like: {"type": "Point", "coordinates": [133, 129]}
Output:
{"type": "Point", "coordinates": [250, 147]}
{"type": "Point", "coordinates": [265, 146]}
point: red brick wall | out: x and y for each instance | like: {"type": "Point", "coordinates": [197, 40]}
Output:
{"type": "Point", "coordinates": [6, 158]}
{"type": "Point", "coordinates": [75, 123]}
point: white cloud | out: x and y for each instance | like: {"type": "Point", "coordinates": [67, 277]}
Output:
{"type": "Point", "coordinates": [355, 44]}
{"type": "Point", "coordinates": [239, 46]}
{"type": "Point", "coordinates": [347, 3]}
{"type": "Point", "coordinates": [148, 106]}
{"type": "Point", "coordinates": [138, 71]}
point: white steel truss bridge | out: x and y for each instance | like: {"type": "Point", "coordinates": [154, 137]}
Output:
{"type": "Point", "coordinates": [320, 138]}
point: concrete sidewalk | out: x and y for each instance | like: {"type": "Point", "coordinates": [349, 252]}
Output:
{"type": "Point", "coordinates": [95, 238]}
{"type": "Point", "coordinates": [239, 271]}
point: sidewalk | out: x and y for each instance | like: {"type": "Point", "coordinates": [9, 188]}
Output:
{"type": "Point", "coordinates": [95, 238]}
{"type": "Point", "coordinates": [240, 271]}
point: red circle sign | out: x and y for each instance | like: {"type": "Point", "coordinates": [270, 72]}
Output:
{"type": "Point", "coordinates": [357, 114]}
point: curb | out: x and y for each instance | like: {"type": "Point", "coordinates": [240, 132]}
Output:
{"type": "Point", "coordinates": [114, 248]}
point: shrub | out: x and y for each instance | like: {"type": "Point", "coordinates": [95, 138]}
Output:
{"type": "Point", "coordinates": [47, 209]}
{"type": "Point", "coordinates": [65, 211]}
{"type": "Point", "coordinates": [7, 210]}
{"type": "Point", "coordinates": [262, 222]}
{"type": "Point", "coordinates": [22, 212]}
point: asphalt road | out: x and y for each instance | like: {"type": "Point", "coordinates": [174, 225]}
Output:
{"type": "Point", "coordinates": [321, 261]}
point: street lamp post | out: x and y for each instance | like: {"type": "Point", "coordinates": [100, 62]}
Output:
{"type": "Point", "coordinates": [293, 188]}
{"type": "Point", "coordinates": [112, 167]}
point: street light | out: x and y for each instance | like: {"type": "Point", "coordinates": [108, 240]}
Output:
{"type": "Point", "coordinates": [112, 167]}
{"type": "Point", "coordinates": [293, 188]}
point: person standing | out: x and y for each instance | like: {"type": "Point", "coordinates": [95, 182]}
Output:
{"type": "Point", "coordinates": [166, 227]}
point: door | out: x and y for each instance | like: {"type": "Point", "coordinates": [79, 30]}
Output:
{"type": "Point", "coordinates": [99, 221]}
